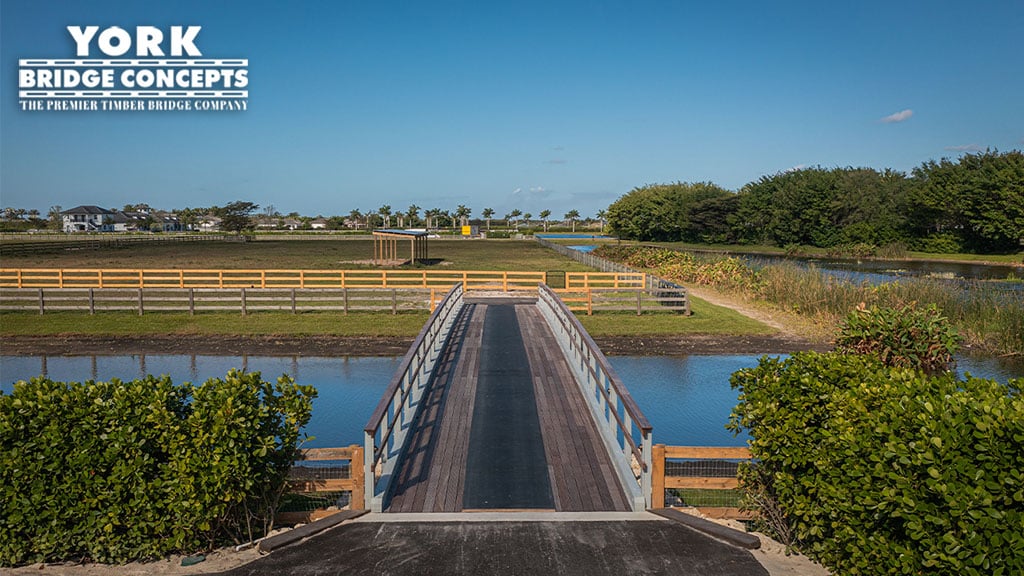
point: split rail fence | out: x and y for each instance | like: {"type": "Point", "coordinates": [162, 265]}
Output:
{"type": "Point", "coordinates": [166, 290]}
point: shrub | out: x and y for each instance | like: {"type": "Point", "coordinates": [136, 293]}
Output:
{"type": "Point", "coordinates": [881, 470]}
{"type": "Point", "coordinates": [903, 337]}
{"type": "Point", "coordinates": [116, 471]}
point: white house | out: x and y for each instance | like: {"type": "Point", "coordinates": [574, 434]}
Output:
{"type": "Point", "coordinates": [91, 219]}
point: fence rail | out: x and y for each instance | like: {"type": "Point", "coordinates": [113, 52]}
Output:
{"type": "Point", "coordinates": [198, 300]}
{"type": "Point", "coordinates": [384, 434]}
{"type": "Point", "coordinates": [227, 278]}
{"type": "Point", "coordinates": [33, 244]}
{"type": "Point", "coordinates": [700, 472]}
{"type": "Point", "coordinates": [623, 426]}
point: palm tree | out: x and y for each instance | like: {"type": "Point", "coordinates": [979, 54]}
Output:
{"type": "Point", "coordinates": [432, 215]}
{"type": "Point", "coordinates": [488, 212]}
{"type": "Point", "coordinates": [571, 216]}
{"type": "Point", "coordinates": [355, 215]}
{"type": "Point", "coordinates": [600, 216]}
{"type": "Point", "coordinates": [515, 214]}
{"type": "Point", "coordinates": [462, 213]}
{"type": "Point", "coordinates": [413, 214]}
{"type": "Point", "coordinates": [527, 217]}
{"type": "Point", "coordinates": [544, 216]}
{"type": "Point", "coordinates": [385, 213]}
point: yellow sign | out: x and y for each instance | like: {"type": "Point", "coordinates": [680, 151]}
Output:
{"type": "Point", "coordinates": [467, 230]}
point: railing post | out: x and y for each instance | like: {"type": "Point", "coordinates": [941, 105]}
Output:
{"type": "Point", "coordinates": [356, 469]}
{"type": "Point", "coordinates": [657, 475]}
{"type": "Point", "coordinates": [42, 304]}
{"type": "Point", "coordinates": [140, 301]}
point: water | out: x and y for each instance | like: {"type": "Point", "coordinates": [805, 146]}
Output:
{"type": "Point", "coordinates": [687, 399]}
{"type": "Point", "coordinates": [878, 271]}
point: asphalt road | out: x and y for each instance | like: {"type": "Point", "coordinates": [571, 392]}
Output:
{"type": "Point", "coordinates": [508, 548]}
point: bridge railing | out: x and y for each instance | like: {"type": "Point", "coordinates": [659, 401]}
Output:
{"type": "Point", "coordinates": [388, 426]}
{"type": "Point", "coordinates": [624, 428]}
{"type": "Point", "coordinates": [317, 478]}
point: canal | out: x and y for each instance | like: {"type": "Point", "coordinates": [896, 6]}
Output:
{"type": "Point", "coordinates": [687, 398]}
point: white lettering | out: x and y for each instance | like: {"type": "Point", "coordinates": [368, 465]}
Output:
{"type": "Point", "coordinates": [109, 47]}
{"type": "Point", "coordinates": [82, 38]}
{"type": "Point", "coordinates": [184, 41]}
{"type": "Point", "coordinates": [148, 39]}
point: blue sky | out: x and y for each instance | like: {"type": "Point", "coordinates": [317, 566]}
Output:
{"type": "Point", "coordinates": [546, 105]}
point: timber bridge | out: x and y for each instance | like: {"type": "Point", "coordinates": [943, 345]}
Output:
{"type": "Point", "coordinates": [506, 404]}
{"type": "Point", "coordinates": [505, 443]}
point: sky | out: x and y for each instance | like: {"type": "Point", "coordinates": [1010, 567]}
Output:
{"type": "Point", "coordinates": [517, 105]}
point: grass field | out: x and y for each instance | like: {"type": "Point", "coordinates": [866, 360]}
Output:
{"type": "Point", "coordinates": [707, 319]}
{"type": "Point", "coordinates": [455, 254]}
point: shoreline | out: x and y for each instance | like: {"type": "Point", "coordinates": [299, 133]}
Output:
{"type": "Point", "coordinates": [336, 346]}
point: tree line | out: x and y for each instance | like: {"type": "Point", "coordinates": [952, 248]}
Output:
{"type": "Point", "coordinates": [974, 204]}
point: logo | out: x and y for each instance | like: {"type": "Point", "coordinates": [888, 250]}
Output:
{"type": "Point", "coordinates": [150, 70]}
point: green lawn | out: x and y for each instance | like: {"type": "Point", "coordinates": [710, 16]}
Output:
{"type": "Point", "coordinates": [707, 319]}
{"type": "Point", "coordinates": [335, 254]}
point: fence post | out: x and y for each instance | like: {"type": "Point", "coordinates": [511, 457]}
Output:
{"type": "Point", "coordinates": [92, 303]}
{"type": "Point", "coordinates": [293, 300]}
{"type": "Point", "coordinates": [658, 476]}
{"type": "Point", "coordinates": [639, 293]}
{"type": "Point", "coordinates": [357, 472]}
{"type": "Point", "coordinates": [42, 305]}
{"type": "Point", "coordinates": [191, 301]}
{"type": "Point", "coordinates": [394, 302]}
{"type": "Point", "coordinates": [344, 295]}
{"type": "Point", "coordinates": [244, 311]}
{"type": "Point", "coordinates": [140, 302]}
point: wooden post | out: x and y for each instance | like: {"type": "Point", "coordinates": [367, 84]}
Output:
{"type": "Point", "coordinates": [394, 302]}
{"type": "Point", "coordinates": [140, 302]}
{"type": "Point", "coordinates": [658, 476]}
{"type": "Point", "coordinates": [590, 301]}
{"type": "Point", "coordinates": [639, 293]}
{"type": "Point", "coordinates": [42, 305]}
{"type": "Point", "coordinates": [293, 300]}
{"type": "Point", "coordinates": [181, 278]}
{"type": "Point", "coordinates": [191, 301]}
{"type": "Point", "coordinates": [357, 474]}
{"type": "Point", "coordinates": [344, 294]}
{"type": "Point", "coordinates": [244, 311]}
{"type": "Point", "coordinates": [92, 303]}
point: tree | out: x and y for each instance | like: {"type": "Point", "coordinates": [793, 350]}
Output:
{"type": "Point", "coordinates": [544, 214]}
{"type": "Point", "coordinates": [571, 216]}
{"type": "Point", "coordinates": [236, 216]}
{"type": "Point", "coordinates": [527, 216]}
{"type": "Point", "coordinates": [658, 211]}
{"type": "Point", "coordinates": [488, 213]}
{"type": "Point", "coordinates": [462, 213]}
{"type": "Point", "coordinates": [979, 199]}
{"type": "Point", "coordinates": [600, 216]}
{"type": "Point", "coordinates": [56, 220]}
{"type": "Point", "coordinates": [413, 214]}
{"type": "Point", "coordinates": [515, 214]}
{"type": "Point", "coordinates": [385, 214]}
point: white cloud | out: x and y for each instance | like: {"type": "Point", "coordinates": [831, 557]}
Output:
{"type": "Point", "coordinates": [965, 148]}
{"type": "Point", "coordinates": [796, 168]}
{"type": "Point", "coordinates": [898, 116]}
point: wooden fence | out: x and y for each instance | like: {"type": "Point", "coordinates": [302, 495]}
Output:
{"type": "Point", "coordinates": [226, 278]}
{"type": "Point", "coordinates": [344, 473]}
{"type": "Point", "coordinates": [698, 469]}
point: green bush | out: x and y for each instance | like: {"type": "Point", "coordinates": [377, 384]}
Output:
{"type": "Point", "coordinates": [116, 471]}
{"type": "Point", "coordinates": [881, 470]}
{"type": "Point", "coordinates": [903, 337]}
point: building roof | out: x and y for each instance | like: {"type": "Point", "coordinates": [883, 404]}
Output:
{"type": "Point", "coordinates": [411, 233]}
{"type": "Point", "coordinates": [87, 210]}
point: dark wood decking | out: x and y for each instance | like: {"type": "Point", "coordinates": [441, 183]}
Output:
{"type": "Point", "coordinates": [431, 475]}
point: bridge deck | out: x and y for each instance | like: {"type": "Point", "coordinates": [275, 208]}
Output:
{"type": "Point", "coordinates": [507, 382]}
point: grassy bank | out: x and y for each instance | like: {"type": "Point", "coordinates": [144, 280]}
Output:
{"type": "Point", "coordinates": [990, 318]}
{"type": "Point", "coordinates": [707, 319]}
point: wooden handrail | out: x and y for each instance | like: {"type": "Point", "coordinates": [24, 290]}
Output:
{"type": "Point", "coordinates": [660, 480]}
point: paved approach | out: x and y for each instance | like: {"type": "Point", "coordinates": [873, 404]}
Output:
{"type": "Point", "coordinates": [654, 547]}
